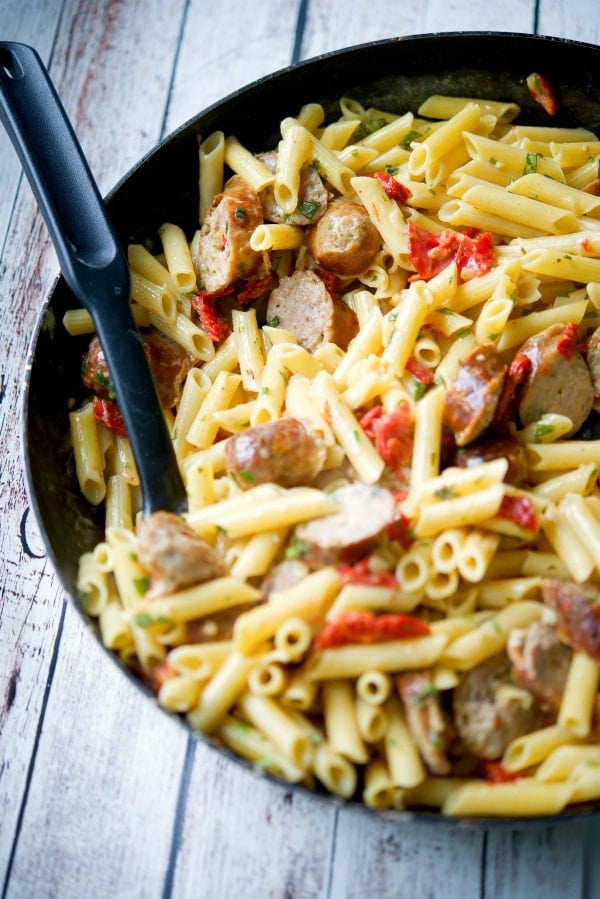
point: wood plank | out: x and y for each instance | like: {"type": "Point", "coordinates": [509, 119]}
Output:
{"type": "Point", "coordinates": [540, 863]}
{"type": "Point", "coordinates": [576, 21]}
{"type": "Point", "coordinates": [404, 859]}
{"type": "Point", "coordinates": [245, 836]}
{"type": "Point", "coordinates": [208, 70]}
{"type": "Point", "coordinates": [96, 97]}
{"type": "Point", "coordinates": [29, 24]}
{"type": "Point", "coordinates": [101, 803]}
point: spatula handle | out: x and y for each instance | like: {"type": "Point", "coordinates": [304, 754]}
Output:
{"type": "Point", "coordinates": [91, 259]}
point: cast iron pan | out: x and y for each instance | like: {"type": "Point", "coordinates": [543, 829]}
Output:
{"type": "Point", "coordinates": [163, 187]}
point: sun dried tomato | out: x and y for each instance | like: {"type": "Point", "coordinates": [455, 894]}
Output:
{"type": "Point", "coordinates": [252, 289]}
{"type": "Point", "coordinates": [542, 92]}
{"type": "Point", "coordinates": [566, 344]}
{"type": "Point", "coordinates": [521, 511]}
{"type": "Point", "coordinates": [419, 371]}
{"type": "Point", "coordinates": [432, 251]}
{"type": "Point", "coordinates": [364, 627]}
{"type": "Point", "coordinates": [515, 377]}
{"type": "Point", "coordinates": [360, 573]}
{"type": "Point", "coordinates": [392, 434]}
{"type": "Point", "coordinates": [495, 772]}
{"type": "Point", "coordinates": [210, 321]}
{"type": "Point", "coordinates": [394, 189]}
{"type": "Point", "coordinates": [107, 412]}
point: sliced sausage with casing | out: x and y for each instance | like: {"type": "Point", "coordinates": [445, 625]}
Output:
{"type": "Point", "coordinates": [472, 398]}
{"type": "Point", "coordinates": [302, 304]}
{"type": "Point", "coordinates": [541, 662]}
{"type": "Point", "coordinates": [577, 608]}
{"type": "Point", "coordinates": [174, 555]}
{"type": "Point", "coordinates": [490, 712]}
{"type": "Point", "coordinates": [285, 452]}
{"type": "Point", "coordinates": [169, 365]}
{"type": "Point", "coordinates": [559, 381]}
{"type": "Point", "coordinates": [499, 447]}
{"type": "Point", "coordinates": [345, 240]}
{"type": "Point", "coordinates": [221, 250]}
{"type": "Point", "coordinates": [312, 196]}
{"type": "Point", "coordinates": [345, 536]}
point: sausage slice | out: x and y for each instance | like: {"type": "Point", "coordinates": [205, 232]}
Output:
{"type": "Point", "coordinates": [541, 662]}
{"type": "Point", "coordinates": [174, 555]}
{"type": "Point", "coordinates": [221, 252]}
{"type": "Point", "coordinates": [285, 452]}
{"type": "Point", "coordinates": [345, 240]}
{"type": "Point", "coordinates": [312, 196]}
{"type": "Point", "coordinates": [487, 719]}
{"type": "Point", "coordinates": [559, 381]}
{"type": "Point", "coordinates": [169, 365]}
{"type": "Point", "coordinates": [472, 398]}
{"type": "Point", "coordinates": [344, 536]}
{"type": "Point", "coordinates": [302, 304]}
{"type": "Point", "coordinates": [577, 607]}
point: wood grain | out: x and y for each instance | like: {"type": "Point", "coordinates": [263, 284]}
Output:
{"type": "Point", "coordinates": [101, 794]}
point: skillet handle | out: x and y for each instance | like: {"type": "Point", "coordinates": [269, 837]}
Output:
{"type": "Point", "coordinates": [91, 259]}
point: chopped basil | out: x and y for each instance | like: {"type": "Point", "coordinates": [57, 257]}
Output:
{"type": "Point", "coordinates": [144, 619]}
{"type": "Point", "coordinates": [295, 548]}
{"type": "Point", "coordinates": [247, 476]}
{"type": "Point", "coordinates": [307, 208]}
{"type": "Point", "coordinates": [369, 126]}
{"type": "Point", "coordinates": [141, 584]}
{"type": "Point", "coordinates": [409, 138]}
{"type": "Point", "coordinates": [273, 322]}
{"type": "Point", "coordinates": [240, 212]}
{"type": "Point", "coordinates": [445, 493]}
{"type": "Point", "coordinates": [531, 161]}
{"type": "Point", "coordinates": [104, 382]}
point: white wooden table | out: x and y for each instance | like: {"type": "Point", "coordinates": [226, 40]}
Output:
{"type": "Point", "coordinates": [102, 795]}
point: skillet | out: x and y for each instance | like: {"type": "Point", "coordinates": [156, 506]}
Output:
{"type": "Point", "coordinates": [163, 187]}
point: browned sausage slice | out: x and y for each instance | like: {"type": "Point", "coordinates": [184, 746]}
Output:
{"type": "Point", "coordinates": [221, 252]}
{"type": "Point", "coordinates": [302, 304]}
{"type": "Point", "coordinates": [500, 447]}
{"type": "Point", "coordinates": [541, 662]}
{"type": "Point", "coordinates": [344, 536]}
{"type": "Point", "coordinates": [173, 555]}
{"type": "Point", "coordinates": [472, 398]}
{"type": "Point", "coordinates": [285, 452]}
{"type": "Point", "coordinates": [487, 719]}
{"type": "Point", "coordinates": [312, 196]}
{"type": "Point", "coordinates": [169, 364]}
{"type": "Point", "coordinates": [558, 382]}
{"type": "Point", "coordinates": [593, 360]}
{"type": "Point", "coordinates": [426, 719]}
{"type": "Point", "coordinates": [345, 240]}
{"type": "Point", "coordinates": [578, 614]}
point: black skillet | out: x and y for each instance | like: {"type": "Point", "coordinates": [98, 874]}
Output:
{"type": "Point", "coordinates": [162, 187]}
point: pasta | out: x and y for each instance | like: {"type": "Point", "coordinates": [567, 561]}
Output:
{"type": "Point", "coordinates": [393, 518]}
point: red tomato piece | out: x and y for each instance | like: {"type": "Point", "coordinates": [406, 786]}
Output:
{"type": "Point", "coordinates": [542, 92]}
{"type": "Point", "coordinates": [517, 374]}
{"type": "Point", "coordinates": [475, 255]}
{"type": "Point", "coordinates": [495, 772]}
{"type": "Point", "coordinates": [430, 252]}
{"type": "Point", "coordinates": [420, 371]}
{"type": "Point", "coordinates": [360, 573]}
{"type": "Point", "coordinates": [521, 511]}
{"type": "Point", "coordinates": [392, 434]}
{"type": "Point", "coordinates": [364, 627]}
{"type": "Point", "coordinates": [253, 289]}
{"type": "Point", "coordinates": [210, 321]}
{"type": "Point", "coordinates": [394, 189]}
{"type": "Point", "coordinates": [566, 344]}
{"type": "Point", "coordinates": [107, 412]}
